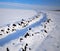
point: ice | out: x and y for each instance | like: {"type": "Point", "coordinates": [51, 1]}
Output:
{"type": "Point", "coordinates": [39, 34]}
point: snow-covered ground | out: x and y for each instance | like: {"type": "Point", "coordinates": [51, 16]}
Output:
{"type": "Point", "coordinates": [18, 25]}
{"type": "Point", "coordinates": [42, 37]}
{"type": "Point", "coordinates": [52, 42]}
{"type": "Point", "coordinates": [8, 16]}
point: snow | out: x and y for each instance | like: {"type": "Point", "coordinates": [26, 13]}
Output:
{"type": "Point", "coordinates": [52, 42]}
{"type": "Point", "coordinates": [37, 40]}
{"type": "Point", "coordinates": [16, 26]}
{"type": "Point", "coordinates": [8, 16]}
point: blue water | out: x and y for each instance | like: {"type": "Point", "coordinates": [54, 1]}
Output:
{"type": "Point", "coordinates": [21, 32]}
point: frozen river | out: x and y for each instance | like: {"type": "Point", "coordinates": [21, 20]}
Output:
{"type": "Point", "coordinates": [51, 39]}
{"type": "Point", "coordinates": [19, 33]}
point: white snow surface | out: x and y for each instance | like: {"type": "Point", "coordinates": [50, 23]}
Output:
{"type": "Point", "coordinates": [40, 41]}
{"type": "Point", "coordinates": [8, 16]}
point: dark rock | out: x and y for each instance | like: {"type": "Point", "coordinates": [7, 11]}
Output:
{"type": "Point", "coordinates": [26, 44]}
{"type": "Point", "coordinates": [21, 39]}
{"type": "Point", "coordinates": [36, 16]}
{"type": "Point", "coordinates": [32, 34]}
{"type": "Point", "coordinates": [45, 31]}
{"type": "Point", "coordinates": [13, 29]}
{"type": "Point", "coordinates": [8, 29]}
{"type": "Point", "coordinates": [22, 22]}
{"type": "Point", "coordinates": [7, 49]}
{"type": "Point", "coordinates": [28, 21]}
{"type": "Point", "coordinates": [7, 32]}
{"type": "Point", "coordinates": [22, 19]}
{"type": "Point", "coordinates": [48, 20]}
{"type": "Point", "coordinates": [29, 28]}
{"type": "Point", "coordinates": [26, 35]}
{"type": "Point", "coordinates": [19, 24]}
{"type": "Point", "coordinates": [2, 30]}
{"type": "Point", "coordinates": [44, 26]}
{"type": "Point", "coordinates": [13, 43]}
{"type": "Point", "coordinates": [23, 49]}
{"type": "Point", "coordinates": [14, 24]}
{"type": "Point", "coordinates": [0, 34]}
{"type": "Point", "coordinates": [29, 48]}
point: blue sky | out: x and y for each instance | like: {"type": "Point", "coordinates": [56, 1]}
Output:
{"type": "Point", "coordinates": [49, 3]}
{"type": "Point", "coordinates": [40, 2]}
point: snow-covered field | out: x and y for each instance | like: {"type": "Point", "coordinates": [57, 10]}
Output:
{"type": "Point", "coordinates": [32, 31]}
{"type": "Point", "coordinates": [52, 42]}
{"type": "Point", "coordinates": [9, 16]}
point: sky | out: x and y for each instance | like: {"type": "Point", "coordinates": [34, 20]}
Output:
{"type": "Point", "coordinates": [44, 3]}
